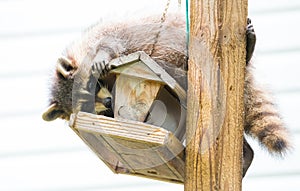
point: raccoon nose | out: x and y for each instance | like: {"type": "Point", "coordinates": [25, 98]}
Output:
{"type": "Point", "coordinates": [107, 102]}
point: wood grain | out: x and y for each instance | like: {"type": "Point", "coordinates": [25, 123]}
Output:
{"type": "Point", "coordinates": [131, 147]}
{"type": "Point", "coordinates": [215, 95]}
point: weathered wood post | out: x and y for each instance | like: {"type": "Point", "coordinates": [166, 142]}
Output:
{"type": "Point", "coordinates": [215, 95]}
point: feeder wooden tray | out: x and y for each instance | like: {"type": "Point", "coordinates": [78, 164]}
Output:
{"type": "Point", "coordinates": [127, 143]}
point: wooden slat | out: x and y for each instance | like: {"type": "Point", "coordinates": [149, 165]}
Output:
{"type": "Point", "coordinates": [123, 128]}
{"type": "Point", "coordinates": [134, 97]}
{"type": "Point", "coordinates": [138, 70]}
{"type": "Point", "coordinates": [159, 71]}
{"type": "Point", "coordinates": [131, 147]}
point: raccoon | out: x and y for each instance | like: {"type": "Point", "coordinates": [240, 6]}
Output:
{"type": "Point", "coordinates": [100, 44]}
{"type": "Point", "coordinates": [60, 102]}
{"type": "Point", "coordinates": [165, 42]}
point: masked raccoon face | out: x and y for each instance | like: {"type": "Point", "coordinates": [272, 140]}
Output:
{"type": "Point", "coordinates": [103, 100]}
{"type": "Point", "coordinates": [61, 91]}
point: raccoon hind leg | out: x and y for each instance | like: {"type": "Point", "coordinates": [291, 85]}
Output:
{"type": "Point", "coordinates": [250, 41]}
{"type": "Point", "coordinates": [247, 156]}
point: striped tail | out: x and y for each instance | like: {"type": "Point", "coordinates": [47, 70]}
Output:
{"type": "Point", "coordinates": [262, 120]}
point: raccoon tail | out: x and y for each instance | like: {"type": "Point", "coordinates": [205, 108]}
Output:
{"type": "Point", "coordinates": [262, 120]}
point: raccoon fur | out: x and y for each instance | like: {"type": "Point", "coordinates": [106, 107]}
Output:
{"type": "Point", "coordinates": [166, 44]}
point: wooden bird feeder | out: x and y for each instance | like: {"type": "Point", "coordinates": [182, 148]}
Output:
{"type": "Point", "coordinates": [146, 135]}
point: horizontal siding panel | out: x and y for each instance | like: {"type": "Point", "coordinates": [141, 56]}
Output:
{"type": "Point", "coordinates": [289, 106]}
{"type": "Point", "coordinates": [276, 31]}
{"type": "Point", "coordinates": [68, 171]}
{"type": "Point", "coordinates": [278, 72]}
{"type": "Point", "coordinates": [23, 95]}
{"type": "Point", "coordinates": [32, 135]}
{"type": "Point", "coordinates": [273, 183]}
{"type": "Point", "coordinates": [34, 55]}
{"type": "Point", "coordinates": [262, 8]}
{"type": "Point", "coordinates": [33, 16]}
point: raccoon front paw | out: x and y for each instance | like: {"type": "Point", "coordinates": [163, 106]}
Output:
{"type": "Point", "coordinates": [250, 30]}
{"type": "Point", "coordinates": [100, 69]}
{"type": "Point", "coordinates": [250, 41]}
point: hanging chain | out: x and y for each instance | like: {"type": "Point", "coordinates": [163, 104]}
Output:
{"type": "Point", "coordinates": [162, 20]}
{"type": "Point", "coordinates": [179, 3]}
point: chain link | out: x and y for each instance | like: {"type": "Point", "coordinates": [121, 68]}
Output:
{"type": "Point", "coordinates": [162, 20]}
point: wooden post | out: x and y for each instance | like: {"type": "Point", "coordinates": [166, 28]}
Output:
{"type": "Point", "coordinates": [215, 95]}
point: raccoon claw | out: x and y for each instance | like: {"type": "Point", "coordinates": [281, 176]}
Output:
{"type": "Point", "coordinates": [250, 29]}
{"type": "Point", "coordinates": [100, 69]}
{"type": "Point", "coordinates": [248, 21]}
{"type": "Point", "coordinates": [250, 41]}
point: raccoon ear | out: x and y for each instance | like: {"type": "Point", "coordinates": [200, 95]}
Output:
{"type": "Point", "coordinates": [52, 113]}
{"type": "Point", "coordinates": [65, 67]}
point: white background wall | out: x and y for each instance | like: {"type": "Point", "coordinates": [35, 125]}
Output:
{"type": "Point", "coordinates": [40, 156]}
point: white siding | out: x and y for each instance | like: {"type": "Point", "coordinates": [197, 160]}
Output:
{"type": "Point", "coordinates": [36, 155]}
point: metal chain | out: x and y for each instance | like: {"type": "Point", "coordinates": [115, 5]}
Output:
{"type": "Point", "coordinates": [179, 3]}
{"type": "Point", "coordinates": [162, 20]}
